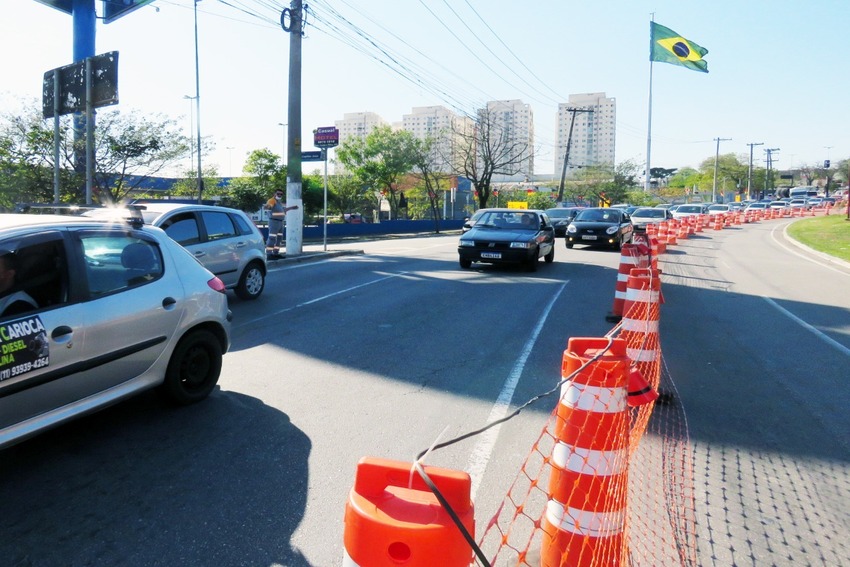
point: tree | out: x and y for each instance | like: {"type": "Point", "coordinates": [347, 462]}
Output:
{"type": "Point", "coordinates": [434, 182]}
{"type": "Point", "coordinates": [347, 194]}
{"type": "Point", "coordinates": [487, 149]}
{"type": "Point", "coordinates": [128, 149]}
{"type": "Point", "coordinates": [131, 147]}
{"type": "Point", "coordinates": [379, 160]}
{"type": "Point", "coordinates": [729, 167]}
{"type": "Point", "coordinates": [661, 173]}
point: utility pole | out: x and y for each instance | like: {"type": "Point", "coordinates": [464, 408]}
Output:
{"type": "Point", "coordinates": [750, 170]}
{"type": "Point", "coordinates": [769, 167]}
{"type": "Point", "coordinates": [291, 19]}
{"type": "Point", "coordinates": [567, 153]}
{"type": "Point", "coordinates": [198, 107]}
{"type": "Point", "coordinates": [716, 157]}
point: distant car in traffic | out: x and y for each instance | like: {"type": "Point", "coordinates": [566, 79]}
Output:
{"type": "Point", "coordinates": [600, 226]}
{"type": "Point", "coordinates": [649, 215]}
{"type": "Point", "coordinates": [508, 236]}
{"type": "Point", "coordinates": [683, 211]}
{"type": "Point", "coordinates": [562, 217]}
{"type": "Point", "coordinates": [113, 308]}
{"type": "Point", "coordinates": [718, 209]}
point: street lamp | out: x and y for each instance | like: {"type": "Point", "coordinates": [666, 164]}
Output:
{"type": "Point", "coordinates": [191, 131]}
{"type": "Point", "coordinates": [716, 157]}
{"type": "Point", "coordinates": [283, 157]}
{"type": "Point", "coordinates": [229, 161]}
{"type": "Point", "coordinates": [198, 105]}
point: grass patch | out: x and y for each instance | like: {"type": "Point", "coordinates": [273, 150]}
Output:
{"type": "Point", "coordinates": [827, 234]}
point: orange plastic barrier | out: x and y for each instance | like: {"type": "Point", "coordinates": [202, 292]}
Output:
{"type": "Point", "coordinates": [640, 331]}
{"type": "Point", "coordinates": [584, 521]}
{"type": "Point", "coordinates": [631, 256]}
{"type": "Point", "coordinates": [393, 519]}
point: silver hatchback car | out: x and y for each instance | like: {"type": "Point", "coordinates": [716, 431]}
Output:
{"type": "Point", "coordinates": [92, 312]}
{"type": "Point", "coordinates": [224, 240]}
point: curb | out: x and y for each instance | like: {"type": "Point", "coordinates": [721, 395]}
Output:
{"type": "Point", "coordinates": [310, 257]}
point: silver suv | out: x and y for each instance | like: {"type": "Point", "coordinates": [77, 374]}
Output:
{"type": "Point", "coordinates": [92, 312]}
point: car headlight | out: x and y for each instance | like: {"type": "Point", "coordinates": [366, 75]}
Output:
{"type": "Point", "coordinates": [467, 243]}
{"type": "Point", "coordinates": [612, 230]}
{"type": "Point", "coordinates": [571, 229]}
{"type": "Point", "coordinates": [522, 244]}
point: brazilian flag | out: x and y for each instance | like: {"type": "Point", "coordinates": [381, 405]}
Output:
{"type": "Point", "coordinates": [667, 46]}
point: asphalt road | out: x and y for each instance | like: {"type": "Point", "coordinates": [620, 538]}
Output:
{"type": "Point", "coordinates": [384, 352]}
{"type": "Point", "coordinates": [756, 335]}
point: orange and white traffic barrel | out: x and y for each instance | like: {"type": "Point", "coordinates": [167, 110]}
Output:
{"type": "Point", "coordinates": [639, 328]}
{"type": "Point", "coordinates": [393, 519]}
{"type": "Point", "coordinates": [584, 521]}
{"type": "Point", "coordinates": [631, 256]}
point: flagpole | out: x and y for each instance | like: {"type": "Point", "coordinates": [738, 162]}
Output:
{"type": "Point", "coordinates": [646, 183]}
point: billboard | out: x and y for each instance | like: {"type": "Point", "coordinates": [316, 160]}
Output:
{"type": "Point", "coordinates": [72, 85]}
{"type": "Point", "coordinates": [114, 9]}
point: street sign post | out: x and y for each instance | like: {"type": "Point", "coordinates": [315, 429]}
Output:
{"type": "Point", "coordinates": [313, 156]}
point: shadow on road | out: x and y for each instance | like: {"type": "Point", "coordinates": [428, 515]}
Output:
{"type": "Point", "coordinates": [222, 482]}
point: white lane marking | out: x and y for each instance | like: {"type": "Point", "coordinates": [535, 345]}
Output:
{"type": "Point", "coordinates": [482, 451]}
{"type": "Point", "coordinates": [318, 299]}
{"type": "Point", "coordinates": [808, 327]}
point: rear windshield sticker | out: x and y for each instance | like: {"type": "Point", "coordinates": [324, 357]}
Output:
{"type": "Point", "coordinates": [23, 347]}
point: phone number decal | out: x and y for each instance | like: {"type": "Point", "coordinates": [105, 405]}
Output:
{"type": "Point", "coordinates": [23, 347]}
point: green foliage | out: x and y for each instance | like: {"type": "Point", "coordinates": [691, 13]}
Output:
{"type": "Point", "coordinates": [346, 194]}
{"type": "Point", "coordinates": [128, 148]}
{"type": "Point", "coordinates": [380, 160]}
{"type": "Point", "coordinates": [827, 234]}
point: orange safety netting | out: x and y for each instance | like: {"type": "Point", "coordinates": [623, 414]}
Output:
{"type": "Point", "coordinates": [637, 512]}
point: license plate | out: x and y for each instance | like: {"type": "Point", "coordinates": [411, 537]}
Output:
{"type": "Point", "coordinates": [492, 255]}
{"type": "Point", "coordinates": [588, 237]}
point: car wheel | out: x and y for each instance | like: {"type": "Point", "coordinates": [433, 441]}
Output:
{"type": "Point", "coordinates": [531, 266]}
{"type": "Point", "coordinates": [465, 263]}
{"type": "Point", "coordinates": [550, 257]}
{"type": "Point", "coordinates": [569, 245]}
{"type": "Point", "coordinates": [252, 282]}
{"type": "Point", "coordinates": [194, 368]}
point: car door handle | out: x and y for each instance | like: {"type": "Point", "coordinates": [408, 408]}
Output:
{"type": "Point", "coordinates": [60, 332]}
{"type": "Point", "coordinates": [200, 253]}
{"type": "Point", "coordinates": [241, 244]}
{"type": "Point", "coordinates": [169, 302]}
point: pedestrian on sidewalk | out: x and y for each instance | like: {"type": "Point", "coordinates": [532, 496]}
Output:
{"type": "Point", "coordinates": [277, 213]}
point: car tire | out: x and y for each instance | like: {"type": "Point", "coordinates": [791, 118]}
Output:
{"type": "Point", "coordinates": [194, 368]}
{"type": "Point", "coordinates": [465, 263]}
{"type": "Point", "coordinates": [531, 265]}
{"type": "Point", "coordinates": [550, 257]}
{"type": "Point", "coordinates": [569, 245]}
{"type": "Point", "coordinates": [252, 282]}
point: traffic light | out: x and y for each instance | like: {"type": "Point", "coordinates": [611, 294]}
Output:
{"type": "Point", "coordinates": [826, 164]}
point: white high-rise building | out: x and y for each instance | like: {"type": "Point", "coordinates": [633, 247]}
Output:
{"type": "Point", "coordinates": [442, 125]}
{"type": "Point", "coordinates": [358, 124]}
{"type": "Point", "coordinates": [594, 133]}
{"type": "Point", "coordinates": [516, 120]}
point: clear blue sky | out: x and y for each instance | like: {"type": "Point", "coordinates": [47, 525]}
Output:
{"type": "Point", "coordinates": [778, 69]}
